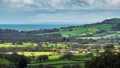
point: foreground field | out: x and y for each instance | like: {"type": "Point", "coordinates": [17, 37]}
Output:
{"type": "Point", "coordinates": [60, 63]}
{"type": "Point", "coordinates": [4, 61]}
{"type": "Point", "coordinates": [53, 59]}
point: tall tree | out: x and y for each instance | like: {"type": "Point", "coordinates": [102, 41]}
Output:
{"type": "Point", "coordinates": [22, 63]}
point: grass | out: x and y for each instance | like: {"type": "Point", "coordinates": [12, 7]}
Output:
{"type": "Point", "coordinates": [4, 61]}
{"type": "Point", "coordinates": [74, 32]}
{"type": "Point", "coordinates": [54, 57]}
{"type": "Point", "coordinates": [29, 44]}
{"type": "Point", "coordinates": [105, 26]}
{"type": "Point", "coordinates": [82, 59]}
{"type": "Point", "coordinates": [5, 44]}
{"type": "Point", "coordinates": [54, 60]}
{"type": "Point", "coordinates": [54, 45]}
{"type": "Point", "coordinates": [60, 63]}
{"type": "Point", "coordinates": [35, 53]}
{"type": "Point", "coordinates": [83, 31]}
{"type": "Point", "coordinates": [25, 44]}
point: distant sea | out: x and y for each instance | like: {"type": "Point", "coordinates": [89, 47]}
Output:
{"type": "Point", "coordinates": [28, 27]}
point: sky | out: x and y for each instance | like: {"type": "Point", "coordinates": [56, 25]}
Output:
{"type": "Point", "coordinates": [57, 11]}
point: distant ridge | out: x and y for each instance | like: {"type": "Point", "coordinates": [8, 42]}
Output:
{"type": "Point", "coordinates": [106, 28]}
{"type": "Point", "coordinates": [111, 21]}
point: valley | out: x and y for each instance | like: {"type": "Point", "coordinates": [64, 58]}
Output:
{"type": "Point", "coordinates": [59, 47]}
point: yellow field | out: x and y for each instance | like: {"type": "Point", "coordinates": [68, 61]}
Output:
{"type": "Point", "coordinates": [33, 53]}
{"type": "Point", "coordinates": [54, 57]}
{"type": "Point", "coordinates": [5, 44]}
{"type": "Point", "coordinates": [26, 44]}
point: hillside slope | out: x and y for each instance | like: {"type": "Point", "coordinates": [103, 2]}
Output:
{"type": "Point", "coordinates": [109, 27]}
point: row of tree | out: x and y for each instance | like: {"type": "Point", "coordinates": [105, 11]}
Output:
{"type": "Point", "coordinates": [108, 59]}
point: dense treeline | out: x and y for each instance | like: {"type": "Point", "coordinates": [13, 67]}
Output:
{"type": "Point", "coordinates": [14, 57]}
{"type": "Point", "coordinates": [8, 35]}
{"type": "Point", "coordinates": [107, 59]}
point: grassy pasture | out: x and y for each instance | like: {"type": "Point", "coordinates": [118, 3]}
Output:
{"type": "Point", "coordinates": [25, 44]}
{"type": "Point", "coordinates": [35, 53]}
{"type": "Point", "coordinates": [4, 61]}
{"type": "Point", "coordinates": [83, 31]}
{"type": "Point", "coordinates": [54, 57]}
{"type": "Point", "coordinates": [74, 32]}
{"type": "Point", "coordinates": [54, 45]}
{"type": "Point", "coordinates": [6, 44]}
{"type": "Point", "coordinates": [60, 63]}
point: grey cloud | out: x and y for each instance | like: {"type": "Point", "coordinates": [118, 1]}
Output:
{"type": "Point", "coordinates": [80, 2]}
{"type": "Point", "coordinates": [61, 4]}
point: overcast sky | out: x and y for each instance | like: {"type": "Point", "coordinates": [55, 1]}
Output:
{"type": "Point", "coordinates": [57, 11]}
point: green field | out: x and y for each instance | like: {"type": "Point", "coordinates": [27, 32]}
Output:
{"type": "Point", "coordinates": [81, 31]}
{"type": "Point", "coordinates": [54, 57]}
{"type": "Point", "coordinates": [31, 53]}
{"type": "Point", "coordinates": [60, 63]}
{"type": "Point", "coordinates": [4, 61]}
{"type": "Point", "coordinates": [25, 44]}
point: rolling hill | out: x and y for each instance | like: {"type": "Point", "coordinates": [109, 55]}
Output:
{"type": "Point", "coordinates": [106, 28]}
